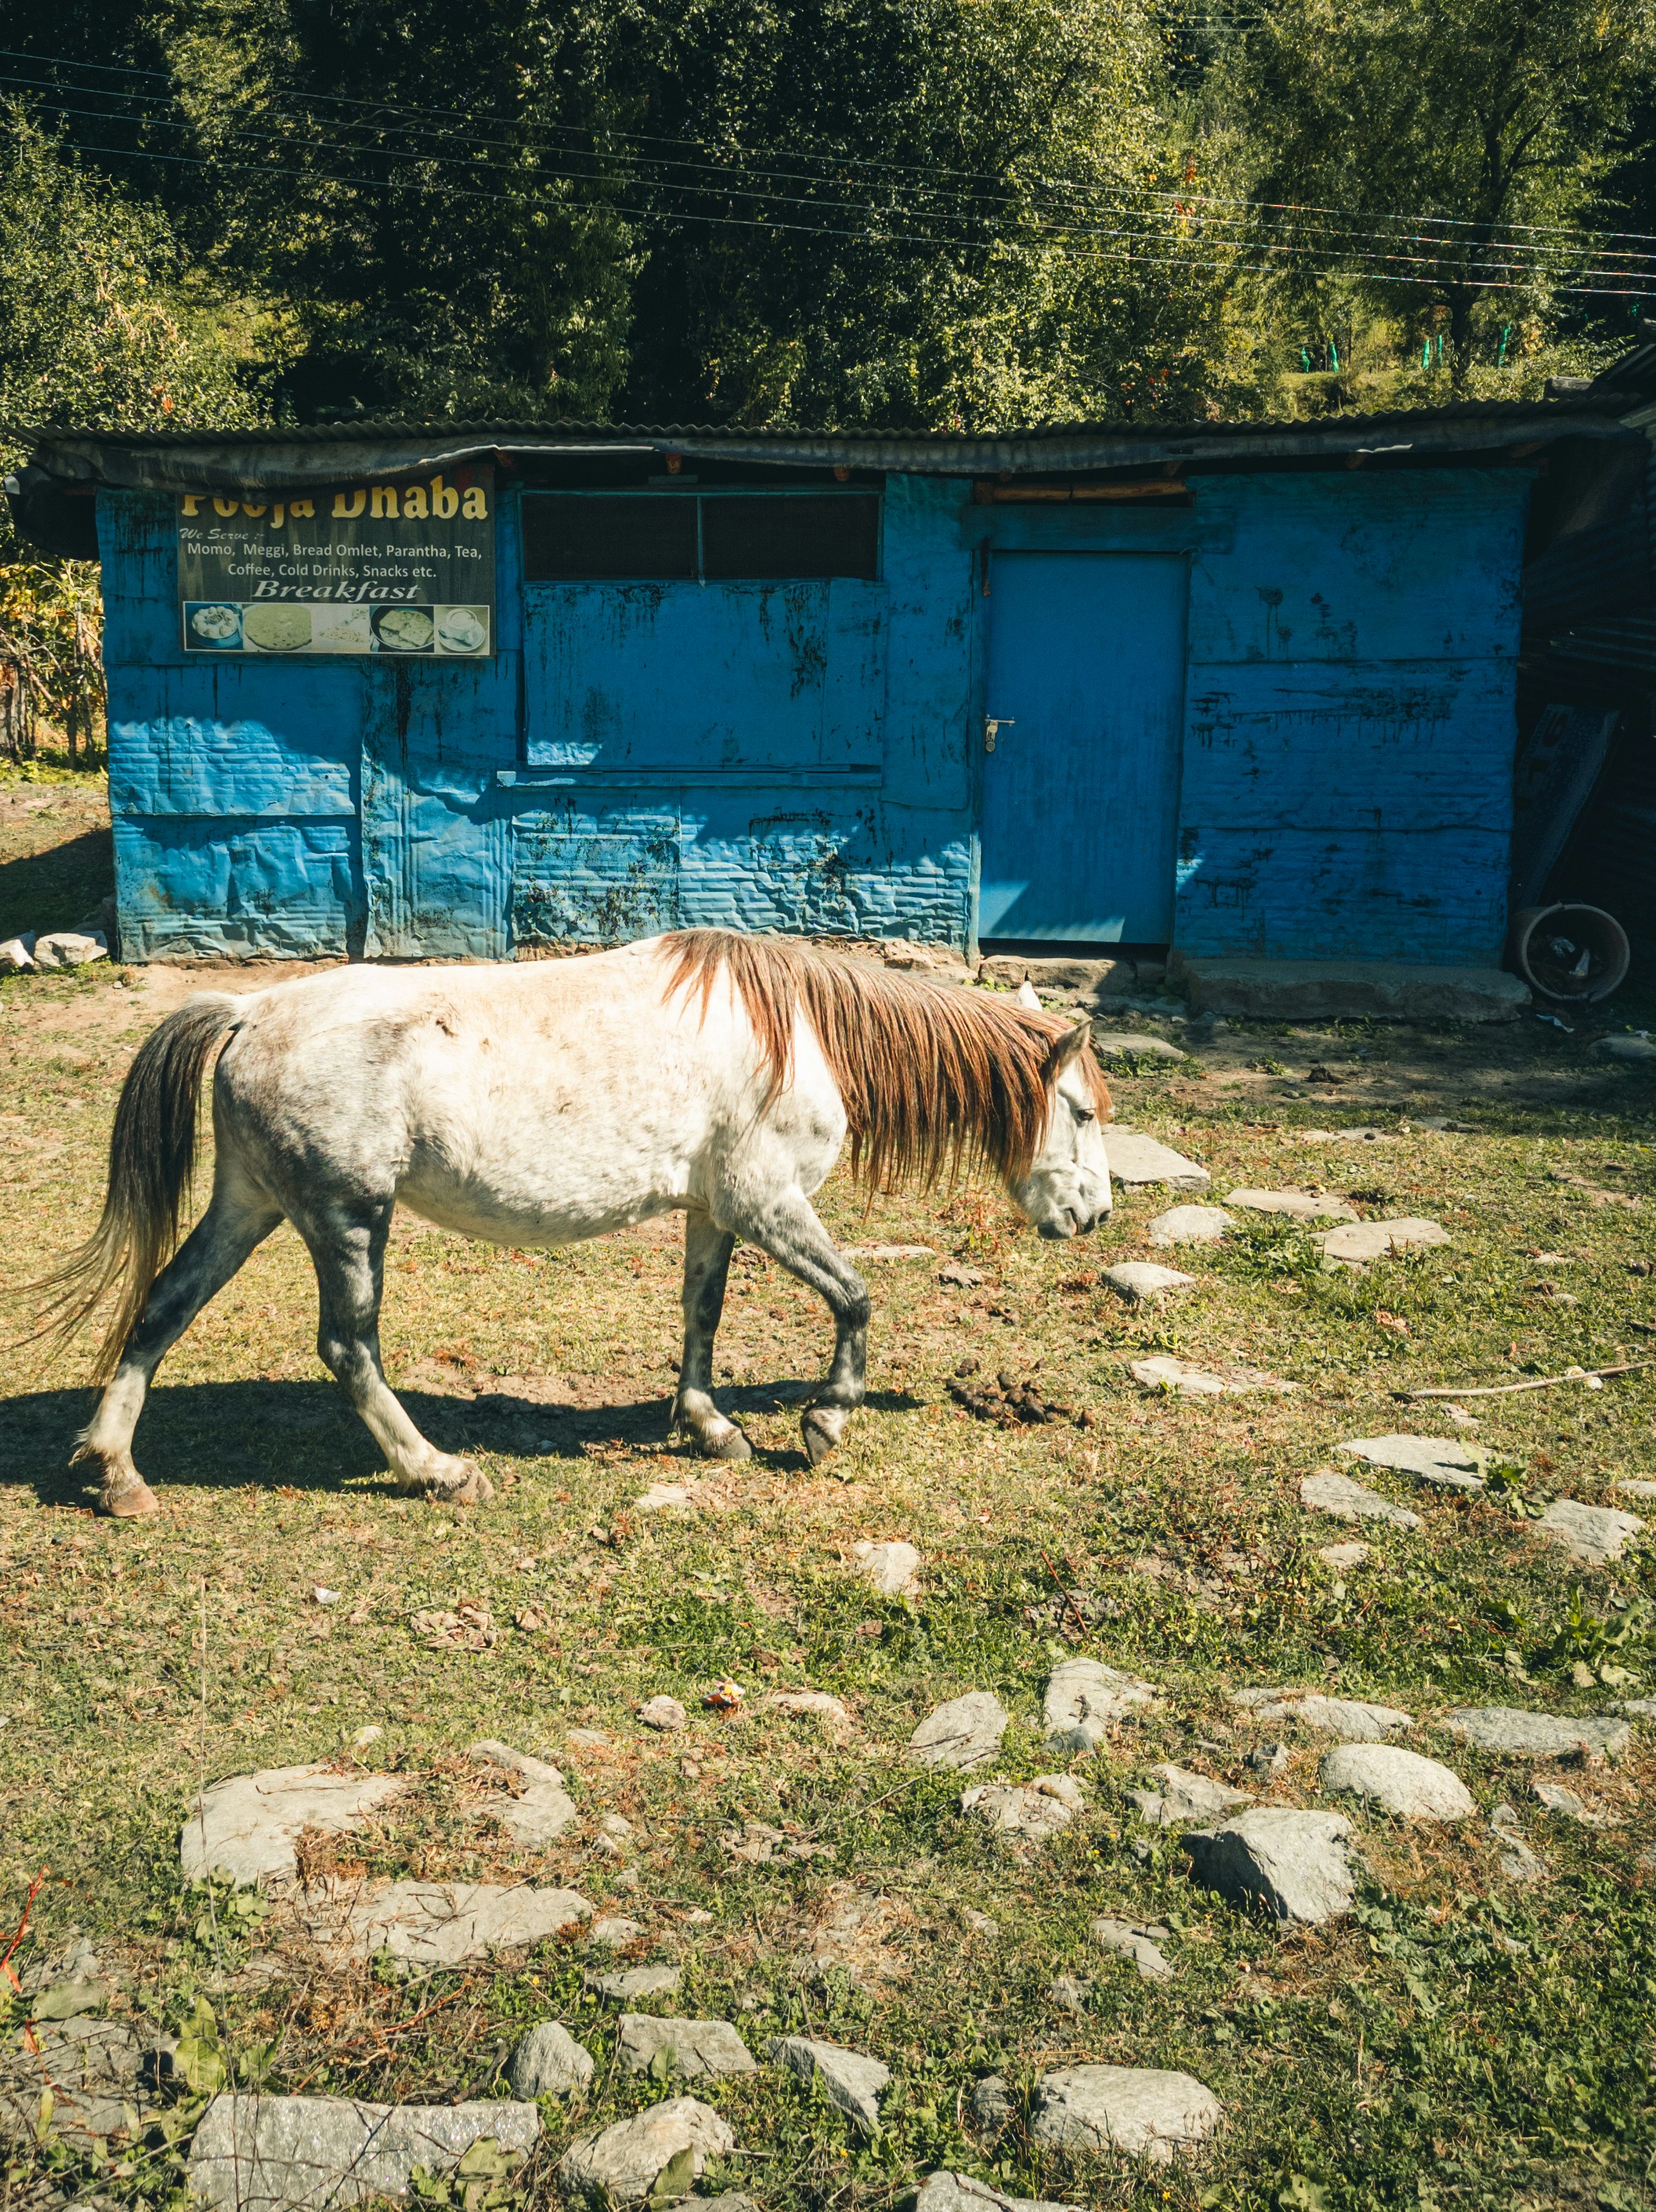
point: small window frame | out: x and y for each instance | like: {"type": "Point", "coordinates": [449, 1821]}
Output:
{"type": "Point", "coordinates": [703, 496]}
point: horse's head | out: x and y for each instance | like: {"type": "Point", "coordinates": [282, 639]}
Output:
{"type": "Point", "coordinates": [1066, 1192]}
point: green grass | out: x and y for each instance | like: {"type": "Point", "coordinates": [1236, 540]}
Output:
{"type": "Point", "coordinates": [1458, 2042]}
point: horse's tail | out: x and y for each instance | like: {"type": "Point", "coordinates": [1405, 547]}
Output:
{"type": "Point", "coordinates": [152, 1158]}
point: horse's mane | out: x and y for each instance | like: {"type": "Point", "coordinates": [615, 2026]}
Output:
{"type": "Point", "coordinates": [932, 1076]}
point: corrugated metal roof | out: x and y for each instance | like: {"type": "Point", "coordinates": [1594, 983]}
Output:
{"type": "Point", "coordinates": [174, 459]}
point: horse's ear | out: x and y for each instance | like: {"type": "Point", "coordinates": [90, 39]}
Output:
{"type": "Point", "coordinates": [1025, 996]}
{"type": "Point", "coordinates": [1064, 1048]}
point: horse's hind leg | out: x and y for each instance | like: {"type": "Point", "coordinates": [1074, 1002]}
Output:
{"type": "Point", "coordinates": [788, 1229]}
{"type": "Point", "coordinates": [239, 1218]}
{"type": "Point", "coordinates": [347, 1248]}
{"type": "Point", "coordinates": [707, 1264]}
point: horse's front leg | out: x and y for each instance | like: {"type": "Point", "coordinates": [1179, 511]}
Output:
{"type": "Point", "coordinates": [788, 1229]}
{"type": "Point", "coordinates": [347, 1248]}
{"type": "Point", "coordinates": [707, 1265]}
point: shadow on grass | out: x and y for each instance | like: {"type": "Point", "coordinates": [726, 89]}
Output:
{"type": "Point", "coordinates": [59, 887]}
{"type": "Point", "coordinates": [303, 1437]}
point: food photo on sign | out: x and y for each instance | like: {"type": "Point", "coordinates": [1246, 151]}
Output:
{"type": "Point", "coordinates": [405, 568]}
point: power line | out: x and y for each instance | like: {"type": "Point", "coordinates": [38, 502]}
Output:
{"type": "Point", "coordinates": [1185, 196]}
{"type": "Point", "coordinates": [1493, 252]}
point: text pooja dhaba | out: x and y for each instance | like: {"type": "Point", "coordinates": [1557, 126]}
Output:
{"type": "Point", "coordinates": [406, 691]}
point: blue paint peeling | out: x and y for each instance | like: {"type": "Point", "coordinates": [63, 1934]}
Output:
{"type": "Point", "coordinates": [809, 756]}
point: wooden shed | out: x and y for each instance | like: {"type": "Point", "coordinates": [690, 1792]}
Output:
{"type": "Point", "coordinates": [461, 690]}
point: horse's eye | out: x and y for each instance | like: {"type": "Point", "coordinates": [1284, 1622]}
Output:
{"type": "Point", "coordinates": [1083, 1113]}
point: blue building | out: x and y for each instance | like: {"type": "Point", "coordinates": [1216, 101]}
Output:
{"type": "Point", "coordinates": [402, 691]}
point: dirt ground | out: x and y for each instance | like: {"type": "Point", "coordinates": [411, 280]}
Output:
{"type": "Point", "coordinates": [1461, 2039]}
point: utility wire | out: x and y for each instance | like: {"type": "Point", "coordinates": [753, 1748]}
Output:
{"type": "Point", "coordinates": [471, 118]}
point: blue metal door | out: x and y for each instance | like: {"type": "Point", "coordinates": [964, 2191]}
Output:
{"type": "Point", "coordinates": [1080, 777]}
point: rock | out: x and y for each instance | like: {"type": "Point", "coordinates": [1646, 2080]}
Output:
{"type": "Point", "coordinates": [664, 1714]}
{"type": "Point", "coordinates": [1645, 1708]}
{"type": "Point", "coordinates": [548, 2062]}
{"type": "Point", "coordinates": [434, 1923]}
{"type": "Point", "coordinates": [1039, 1808]}
{"type": "Point", "coordinates": [1135, 1159]}
{"type": "Point", "coordinates": [1183, 1796]}
{"type": "Point", "coordinates": [963, 1277]}
{"type": "Point", "coordinates": [1141, 1282]}
{"type": "Point", "coordinates": [542, 1810]}
{"type": "Point", "coordinates": [1173, 1376]}
{"type": "Point", "coordinates": [888, 1251]}
{"type": "Point", "coordinates": [966, 1732]}
{"type": "Point", "coordinates": [1085, 1699]}
{"type": "Point", "coordinates": [17, 952]}
{"type": "Point", "coordinates": [1637, 1046]}
{"type": "Point", "coordinates": [892, 1569]}
{"type": "Point", "coordinates": [1344, 1557]}
{"type": "Point", "coordinates": [1070, 1995]}
{"type": "Point", "coordinates": [798, 1704]}
{"type": "Point", "coordinates": [1297, 1205]}
{"type": "Point", "coordinates": [1510, 1732]}
{"type": "Point", "coordinates": [1296, 1863]}
{"type": "Point", "coordinates": [95, 2068]}
{"type": "Point", "coordinates": [665, 1498]}
{"type": "Point", "coordinates": [1357, 1242]}
{"type": "Point", "coordinates": [1631, 1488]}
{"type": "Point", "coordinates": [1594, 1534]}
{"type": "Point", "coordinates": [1268, 1758]}
{"type": "Point", "coordinates": [853, 2082]}
{"type": "Point", "coordinates": [1447, 1462]}
{"type": "Point", "coordinates": [990, 2101]}
{"type": "Point", "coordinates": [1134, 1939]}
{"type": "Point", "coordinates": [70, 948]}
{"type": "Point", "coordinates": [1121, 1044]}
{"type": "Point", "coordinates": [635, 1982]}
{"type": "Point", "coordinates": [585, 1739]}
{"type": "Point", "coordinates": [1398, 1782]}
{"type": "Point", "coordinates": [255, 2154]}
{"type": "Point", "coordinates": [615, 1931]}
{"type": "Point", "coordinates": [961, 2192]}
{"type": "Point", "coordinates": [1146, 2113]}
{"type": "Point", "coordinates": [1565, 1802]}
{"type": "Point", "coordinates": [245, 1829]}
{"type": "Point", "coordinates": [1518, 1862]}
{"type": "Point", "coordinates": [1349, 1717]}
{"type": "Point", "coordinates": [1343, 1500]}
{"type": "Point", "coordinates": [623, 2163]}
{"type": "Point", "coordinates": [699, 2048]}
{"type": "Point", "coordinates": [1190, 1224]}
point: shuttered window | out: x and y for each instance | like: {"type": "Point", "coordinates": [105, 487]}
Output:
{"type": "Point", "coordinates": [595, 539]}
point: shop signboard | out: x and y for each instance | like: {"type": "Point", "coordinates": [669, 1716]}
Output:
{"type": "Point", "coordinates": [405, 568]}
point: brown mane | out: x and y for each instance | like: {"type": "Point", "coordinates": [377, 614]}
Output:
{"type": "Point", "coordinates": [932, 1076]}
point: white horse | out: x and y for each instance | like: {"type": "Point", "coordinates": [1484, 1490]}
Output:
{"type": "Point", "coordinates": [715, 1074]}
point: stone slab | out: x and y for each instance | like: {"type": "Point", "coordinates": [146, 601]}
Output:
{"type": "Point", "coordinates": [1347, 990]}
{"type": "Point", "coordinates": [1181, 1795]}
{"type": "Point", "coordinates": [1343, 1500]}
{"type": "Point", "coordinates": [434, 1923]}
{"type": "Point", "coordinates": [1597, 1536]}
{"type": "Point", "coordinates": [963, 2192]}
{"type": "Point", "coordinates": [548, 2061]}
{"type": "Point", "coordinates": [892, 1568]}
{"type": "Point", "coordinates": [253, 2154]}
{"type": "Point", "coordinates": [1039, 1809]}
{"type": "Point", "coordinates": [1141, 1282]}
{"type": "Point", "coordinates": [1445, 1463]}
{"type": "Point", "coordinates": [1135, 1940]}
{"type": "Point", "coordinates": [1510, 1732]}
{"type": "Point", "coordinates": [542, 1809]}
{"type": "Point", "coordinates": [245, 1829]}
{"type": "Point", "coordinates": [621, 2165]}
{"type": "Point", "coordinates": [1355, 1717]}
{"type": "Point", "coordinates": [1398, 1782]}
{"type": "Point", "coordinates": [1190, 1224]}
{"type": "Point", "coordinates": [1135, 1159]}
{"type": "Point", "coordinates": [1140, 2111]}
{"type": "Point", "coordinates": [965, 1732]}
{"type": "Point", "coordinates": [851, 2080]}
{"type": "Point", "coordinates": [698, 2049]}
{"type": "Point", "coordinates": [1356, 1242]}
{"type": "Point", "coordinates": [1123, 1044]}
{"type": "Point", "coordinates": [1297, 1864]}
{"type": "Point", "coordinates": [1086, 1699]}
{"type": "Point", "coordinates": [1293, 1205]}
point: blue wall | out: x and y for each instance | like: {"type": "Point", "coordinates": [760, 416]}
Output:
{"type": "Point", "coordinates": [807, 756]}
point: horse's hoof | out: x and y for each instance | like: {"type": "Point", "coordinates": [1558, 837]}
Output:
{"type": "Point", "coordinates": [729, 1443]}
{"type": "Point", "coordinates": [476, 1490]}
{"type": "Point", "coordinates": [130, 1503]}
{"type": "Point", "coordinates": [822, 1429]}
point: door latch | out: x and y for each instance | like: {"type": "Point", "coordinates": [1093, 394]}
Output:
{"type": "Point", "coordinates": [993, 729]}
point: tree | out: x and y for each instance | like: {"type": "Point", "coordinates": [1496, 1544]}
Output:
{"type": "Point", "coordinates": [1442, 153]}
